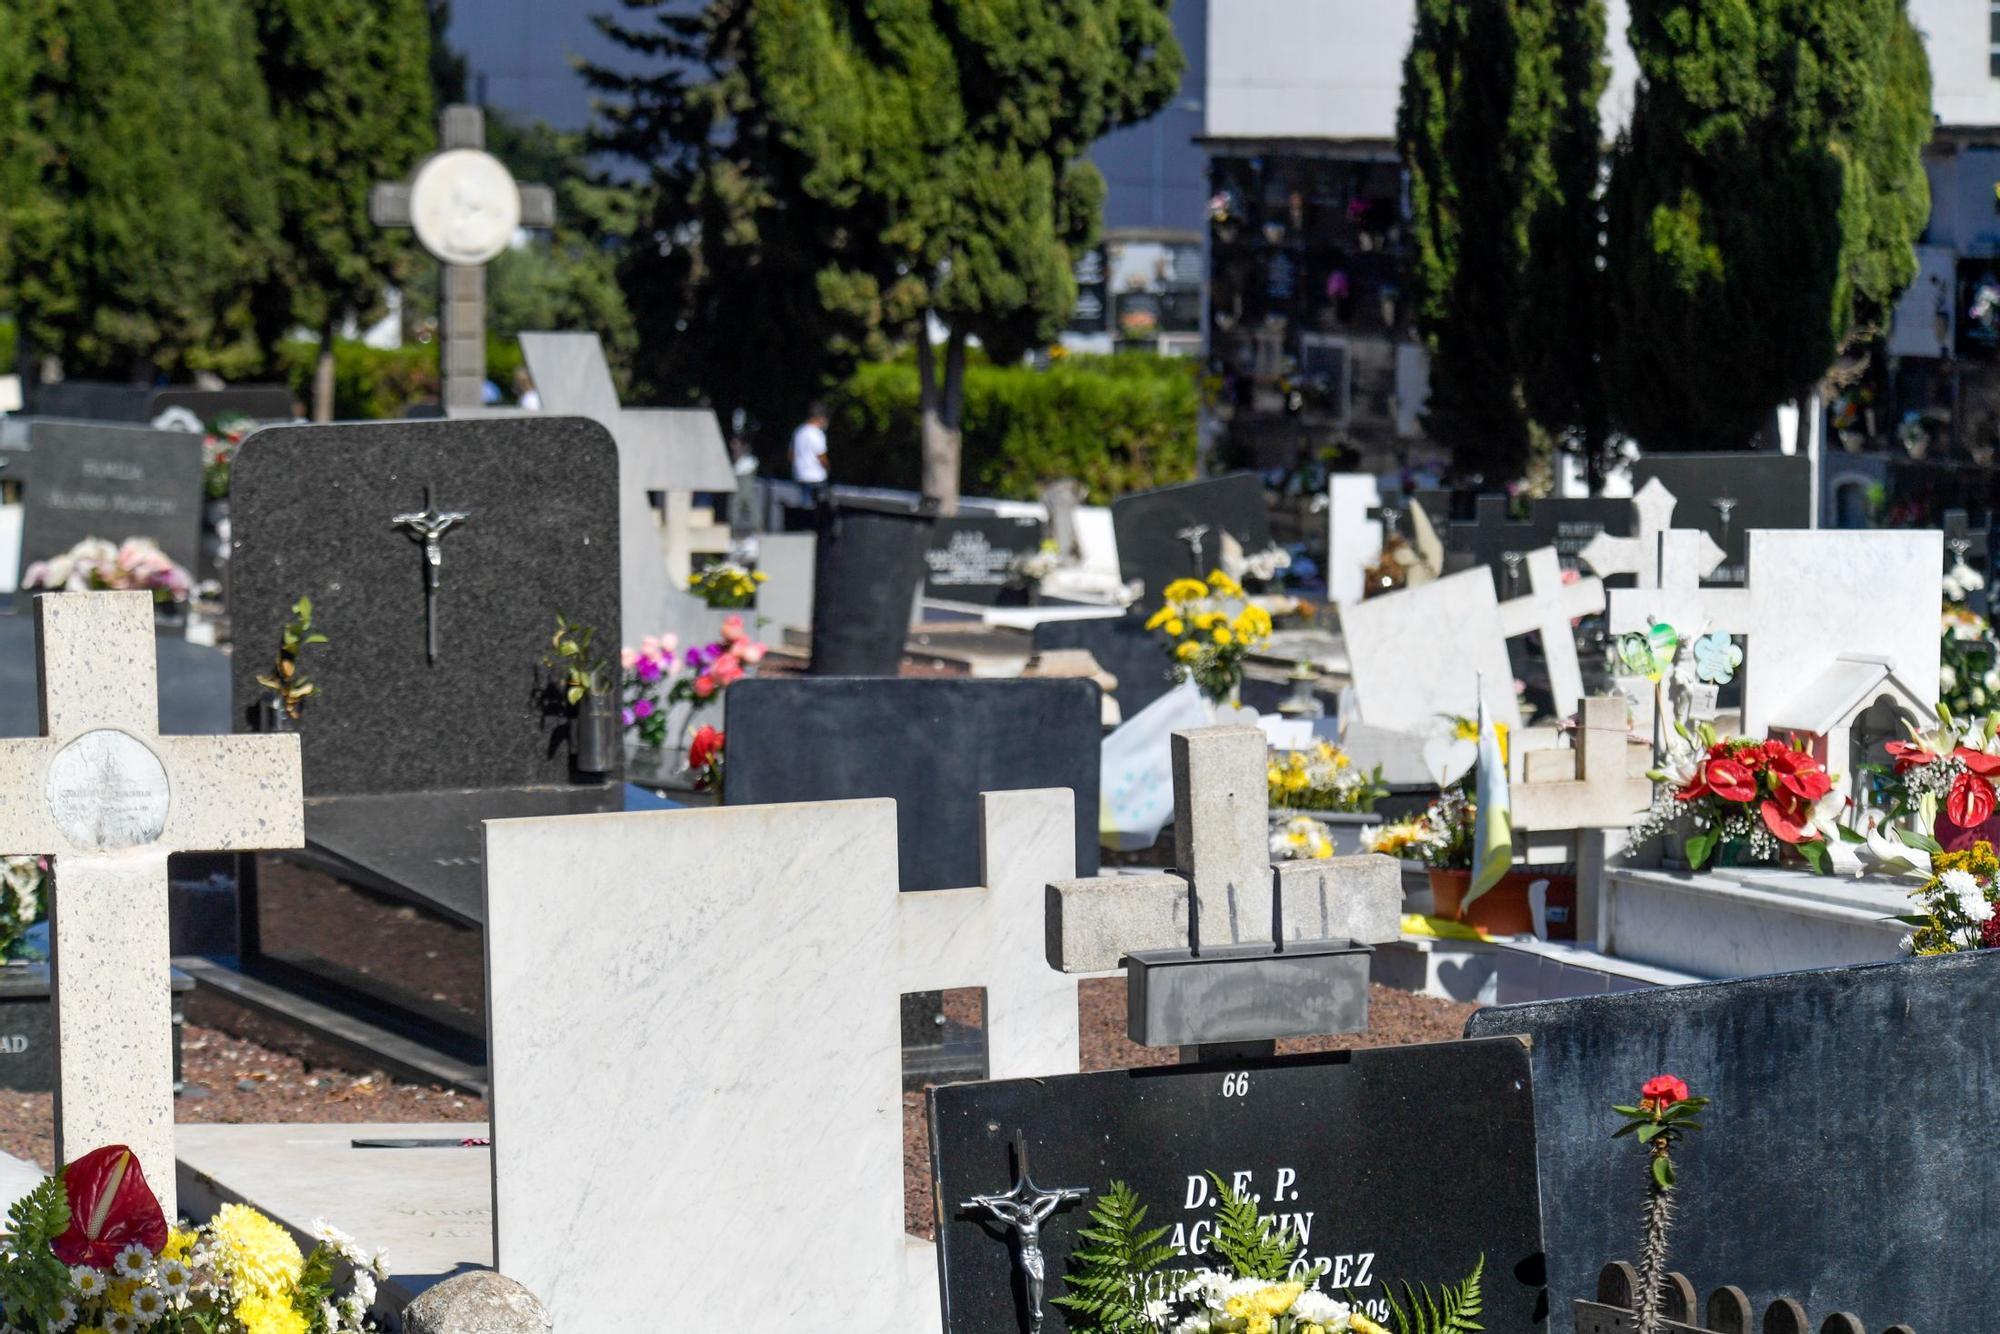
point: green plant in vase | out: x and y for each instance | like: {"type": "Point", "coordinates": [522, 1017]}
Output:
{"type": "Point", "coordinates": [585, 681]}
{"type": "Point", "coordinates": [287, 684]}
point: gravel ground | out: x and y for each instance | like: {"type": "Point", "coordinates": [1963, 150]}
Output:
{"type": "Point", "coordinates": [231, 1080]}
{"type": "Point", "coordinates": [1395, 1019]}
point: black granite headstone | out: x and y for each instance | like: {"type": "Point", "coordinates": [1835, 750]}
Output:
{"type": "Point", "coordinates": [868, 566]}
{"type": "Point", "coordinates": [99, 400]}
{"type": "Point", "coordinates": [1158, 541]}
{"type": "Point", "coordinates": [1122, 646]}
{"type": "Point", "coordinates": [258, 402]}
{"type": "Point", "coordinates": [970, 558]}
{"type": "Point", "coordinates": [92, 400]}
{"type": "Point", "coordinates": [1852, 1129]}
{"type": "Point", "coordinates": [1395, 1163]}
{"type": "Point", "coordinates": [90, 479]}
{"type": "Point", "coordinates": [1568, 524]}
{"type": "Point", "coordinates": [311, 509]}
{"type": "Point", "coordinates": [933, 744]}
{"type": "Point", "coordinates": [1728, 494]}
{"type": "Point", "coordinates": [1491, 537]}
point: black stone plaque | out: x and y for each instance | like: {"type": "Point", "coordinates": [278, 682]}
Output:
{"type": "Point", "coordinates": [970, 558]}
{"type": "Point", "coordinates": [932, 744]}
{"type": "Point", "coordinates": [1568, 524]}
{"type": "Point", "coordinates": [1395, 1163]}
{"type": "Point", "coordinates": [1122, 646]}
{"type": "Point", "coordinates": [1852, 1129]}
{"type": "Point", "coordinates": [90, 479]}
{"type": "Point", "coordinates": [311, 508]}
{"type": "Point", "coordinates": [1157, 542]}
{"type": "Point", "coordinates": [1728, 494]}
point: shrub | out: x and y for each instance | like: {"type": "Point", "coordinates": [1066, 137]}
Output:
{"type": "Point", "coordinates": [373, 384]}
{"type": "Point", "coordinates": [1116, 424]}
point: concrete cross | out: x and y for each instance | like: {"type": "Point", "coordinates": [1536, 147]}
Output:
{"type": "Point", "coordinates": [1601, 783]}
{"type": "Point", "coordinates": [465, 207]}
{"type": "Point", "coordinates": [1678, 599]}
{"type": "Point", "coordinates": [1548, 607]}
{"type": "Point", "coordinates": [1653, 508]}
{"type": "Point", "coordinates": [1222, 837]}
{"type": "Point", "coordinates": [108, 797]}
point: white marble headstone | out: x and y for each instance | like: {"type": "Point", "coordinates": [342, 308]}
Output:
{"type": "Point", "coordinates": [1417, 654]}
{"type": "Point", "coordinates": [1353, 540]}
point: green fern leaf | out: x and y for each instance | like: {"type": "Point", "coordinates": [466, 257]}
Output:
{"type": "Point", "coordinates": [1451, 1311]}
{"type": "Point", "coordinates": [1119, 1261]}
{"type": "Point", "coordinates": [1251, 1244]}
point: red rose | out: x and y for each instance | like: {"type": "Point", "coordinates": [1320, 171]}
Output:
{"type": "Point", "coordinates": [1989, 934]}
{"type": "Point", "coordinates": [1661, 1092]}
{"type": "Point", "coordinates": [1801, 774]}
{"type": "Point", "coordinates": [110, 1207]}
{"type": "Point", "coordinates": [1729, 780]}
{"type": "Point", "coordinates": [706, 746]}
{"type": "Point", "coordinates": [1970, 801]}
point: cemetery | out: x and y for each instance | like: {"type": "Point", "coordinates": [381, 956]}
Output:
{"type": "Point", "coordinates": [774, 708]}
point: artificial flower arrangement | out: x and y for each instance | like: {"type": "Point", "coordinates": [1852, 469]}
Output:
{"type": "Point", "coordinates": [89, 1251]}
{"type": "Point", "coordinates": [726, 584]}
{"type": "Point", "coordinates": [1969, 655]}
{"type": "Point", "coordinates": [1208, 629]}
{"type": "Point", "coordinates": [1440, 838]}
{"type": "Point", "coordinates": [1321, 779]}
{"type": "Point", "coordinates": [705, 755]}
{"type": "Point", "coordinates": [1662, 1117]}
{"type": "Point", "coordinates": [705, 672]}
{"type": "Point", "coordinates": [1945, 775]}
{"type": "Point", "coordinates": [1956, 902]}
{"type": "Point", "coordinates": [218, 452]}
{"type": "Point", "coordinates": [1752, 798]}
{"type": "Point", "coordinates": [579, 675]}
{"type": "Point", "coordinates": [95, 565]}
{"type": "Point", "coordinates": [24, 900]}
{"type": "Point", "coordinates": [1121, 1280]}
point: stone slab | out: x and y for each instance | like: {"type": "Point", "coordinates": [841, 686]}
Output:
{"type": "Point", "coordinates": [90, 479]}
{"type": "Point", "coordinates": [1819, 1077]}
{"type": "Point", "coordinates": [1419, 653]}
{"type": "Point", "coordinates": [1741, 922]}
{"type": "Point", "coordinates": [931, 744]}
{"type": "Point", "coordinates": [310, 512]}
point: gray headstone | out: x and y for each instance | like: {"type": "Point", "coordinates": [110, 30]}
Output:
{"type": "Point", "coordinates": [90, 479]}
{"type": "Point", "coordinates": [311, 508]}
{"type": "Point", "coordinates": [1852, 1127]}
{"type": "Point", "coordinates": [1157, 538]}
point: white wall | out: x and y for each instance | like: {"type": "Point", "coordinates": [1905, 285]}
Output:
{"type": "Point", "coordinates": [1333, 69]}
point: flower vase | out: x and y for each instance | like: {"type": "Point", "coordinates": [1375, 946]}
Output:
{"type": "Point", "coordinates": [272, 717]}
{"type": "Point", "coordinates": [594, 743]}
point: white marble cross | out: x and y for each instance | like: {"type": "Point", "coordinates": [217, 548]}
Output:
{"type": "Point", "coordinates": [1679, 600]}
{"type": "Point", "coordinates": [1600, 783]}
{"type": "Point", "coordinates": [1548, 607]}
{"type": "Point", "coordinates": [109, 798]}
{"type": "Point", "coordinates": [1653, 507]}
{"type": "Point", "coordinates": [1222, 839]}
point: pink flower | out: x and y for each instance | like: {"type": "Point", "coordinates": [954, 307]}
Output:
{"type": "Point", "coordinates": [732, 629]}
{"type": "Point", "coordinates": [704, 686]}
{"type": "Point", "coordinates": [630, 718]}
{"type": "Point", "coordinates": [727, 669]}
{"type": "Point", "coordinates": [641, 709]}
{"type": "Point", "coordinates": [628, 658]}
{"type": "Point", "coordinates": [650, 646]}
{"type": "Point", "coordinates": [751, 652]}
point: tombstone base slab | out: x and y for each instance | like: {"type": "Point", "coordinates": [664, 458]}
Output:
{"type": "Point", "coordinates": [1744, 922]}
{"type": "Point", "coordinates": [431, 1208]}
{"type": "Point", "coordinates": [1246, 993]}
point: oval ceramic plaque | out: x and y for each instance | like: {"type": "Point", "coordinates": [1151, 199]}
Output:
{"type": "Point", "coordinates": [107, 791]}
{"type": "Point", "coordinates": [465, 206]}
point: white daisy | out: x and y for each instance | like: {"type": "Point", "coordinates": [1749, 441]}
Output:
{"type": "Point", "coordinates": [148, 1304]}
{"type": "Point", "coordinates": [120, 1323]}
{"type": "Point", "coordinates": [65, 1315]}
{"type": "Point", "coordinates": [88, 1282]}
{"type": "Point", "coordinates": [133, 1261]}
{"type": "Point", "coordinates": [175, 1277]}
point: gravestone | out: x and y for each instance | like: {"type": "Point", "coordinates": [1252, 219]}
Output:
{"type": "Point", "coordinates": [86, 479]}
{"type": "Point", "coordinates": [743, 1028]}
{"type": "Point", "coordinates": [140, 403]}
{"type": "Point", "coordinates": [1322, 1141]}
{"type": "Point", "coordinates": [1122, 646]}
{"type": "Point", "coordinates": [109, 798]}
{"type": "Point", "coordinates": [1353, 534]}
{"type": "Point", "coordinates": [1726, 495]}
{"type": "Point", "coordinates": [933, 744]}
{"type": "Point", "coordinates": [970, 558]}
{"type": "Point", "coordinates": [406, 755]}
{"type": "Point", "coordinates": [868, 569]}
{"type": "Point", "coordinates": [258, 402]}
{"type": "Point", "coordinates": [1871, 1076]}
{"type": "Point", "coordinates": [1175, 532]}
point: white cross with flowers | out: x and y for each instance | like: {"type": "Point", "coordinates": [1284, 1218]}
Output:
{"type": "Point", "coordinates": [108, 798]}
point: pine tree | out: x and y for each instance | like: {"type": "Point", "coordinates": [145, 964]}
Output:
{"type": "Point", "coordinates": [350, 91]}
{"type": "Point", "coordinates": [147, 207]}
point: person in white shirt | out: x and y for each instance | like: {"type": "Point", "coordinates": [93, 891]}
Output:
{"type": "Point", "coordinates": [809, 448]}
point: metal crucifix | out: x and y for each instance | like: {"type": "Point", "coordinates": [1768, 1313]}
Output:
{"type": "Point", "coordinates": [1022, 1211]}
{"type": "Point", "coordinates": [428, 527]}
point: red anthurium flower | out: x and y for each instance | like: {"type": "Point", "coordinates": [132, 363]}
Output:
{"type": "Point", "coordinates": [1978, 761]}
{"type": "Point", "coordinates": [707, 744]}
{"type": "Point", "coordinates": [1970, 800]}
{"type": "Point", "coordinates": [110, 1207]}
{"type": "Point", "coordinates": [1787, 820]}
{"type": "Point", "coordinates": [1729, 780]}
{"type": "Point", "coordinates": [1910, 755]}
{"type": "Point", "coordinates": [1801, 775]}
{"type": "Point", "coordinates": [1662, 1091]}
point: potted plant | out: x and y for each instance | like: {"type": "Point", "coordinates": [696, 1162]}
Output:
{"type": "Point", "coordinates": [279, 711]}
{"type": "Point", "coordinates": [586, 685]}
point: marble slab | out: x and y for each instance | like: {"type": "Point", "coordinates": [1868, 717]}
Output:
{"type": "Point", "coordinates": [1749, 921]}
{"type": "Point", "coordinates": [1418, 654]}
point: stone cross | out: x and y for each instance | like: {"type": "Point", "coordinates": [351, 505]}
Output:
{"type": "Point", "coordinates": [1686, 555]}
{"type": "Point", "coordinates": [1639, 554]}
{"type": "Point", "coordinates": [1548, 607]}
{"type": "Point", "coordinates": [465, 207]}
{"type": "Point", "coordinates": [1599, 784]}
{"type": "Point", "coordinates": [1222, 893]}
{"type": "Point", "coordinates": [108, 797]}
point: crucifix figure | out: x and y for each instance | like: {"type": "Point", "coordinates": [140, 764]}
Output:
{"type": "Point", "coordinates": [109, 798]}
{"type": "Point", "coordinates": [1023, 1210]}
{"type": "Point", "coordinates": [428, 526]}
{"type": "Point", "coordinates": [1193, 536]}
{"type": "Point", "coordinates": [465, 207]}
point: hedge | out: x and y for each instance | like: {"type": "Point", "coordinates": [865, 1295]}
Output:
{"type": "Point", "coordinates": [1116, 424]}
{"type": "Point", "coordinates": [372, 383]}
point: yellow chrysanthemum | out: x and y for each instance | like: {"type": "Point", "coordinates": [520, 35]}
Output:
{"type": "Point", "coordinates": [1274, 776]}
{"type": "Point", "coordinates": [1221, 633]}
{"type": "Point", "coordinates": [180, 1244]}
{"type": "Point", "coordinates": [1207, 620]}
{"type": "Point", "coordinates": [1187, 652]}
{"type": "Point", "coordinates": [269, 1315]}
{"type": "Point", "coordinates": [256, 1255]}
{"type": "Point", "coordinates": [1186, 590]}
{"type": "Point", "coordinates": [1159, 618]}
{"type": "Point", "coordinates": [1223, 585]}
{"type": "Point", "coordinates": [1177, 627]}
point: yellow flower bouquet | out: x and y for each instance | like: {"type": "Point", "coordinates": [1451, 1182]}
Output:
{"type": "Point", "coordinates": [1208, 628]}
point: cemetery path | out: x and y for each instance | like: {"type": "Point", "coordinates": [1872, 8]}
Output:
{"type": "Point", "coordinates": [231, 1080]}
{"type": "Point", "coordinates": [1395, 1019]}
